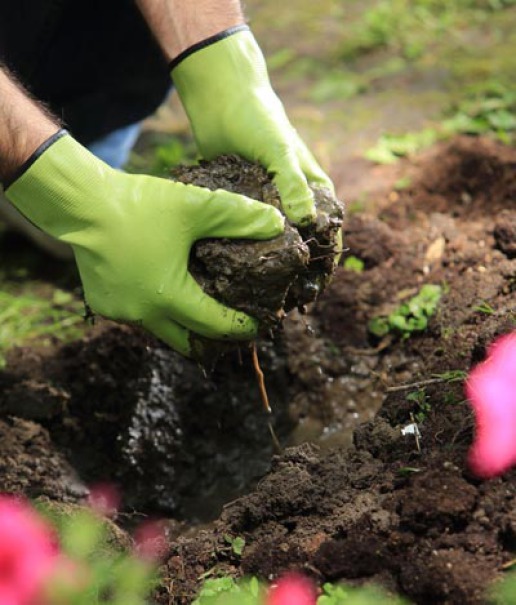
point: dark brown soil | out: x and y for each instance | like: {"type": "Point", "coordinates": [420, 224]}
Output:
{"type": "Point", "coordinates": [414, 521]}
{"type": "Point", "coordinates": [125, 408]}
{"type": "Point", "coordinates": [391, 510]}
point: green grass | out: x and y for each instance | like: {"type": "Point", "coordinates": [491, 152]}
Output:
{"type": "Point", "coordinates": [410, 27]}
{"type": "Point", "coordinates": [490, 111]}
{"type": "Point", "coordinates": [27, 315]}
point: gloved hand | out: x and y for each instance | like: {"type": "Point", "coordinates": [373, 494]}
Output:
{"type": "Point", "coordinates": [225, 89]}
{"type": "Point", "coordinates": [132, 234]}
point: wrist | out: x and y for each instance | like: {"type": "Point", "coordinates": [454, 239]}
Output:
{"type": "Point", "coordinates": [206, 42]}
{"type": "Point", "coordinates": [27, 155]}
{"type": "Point", "coordinates": [24, 126]}
{"type": "Point", "coordinates": [20, 151]}
{"type": "Point", "coordinates": [178, 24]}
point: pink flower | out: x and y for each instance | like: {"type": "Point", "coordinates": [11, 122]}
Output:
{"type": "Point", "coordinates": [28, 553]}
{"type": "Point", "coordinates": [104, 499]}
{"type": "Point", "coordinates": [151, 541]}
{"type": "Point", "coordinates": [292, 589]}
{"type": "Point", "coordinates": [491, 389]}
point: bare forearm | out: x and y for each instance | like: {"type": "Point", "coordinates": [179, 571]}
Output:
{"type": "Point", "coordinates": [24, 126]}
{"type": "Point", "coordinates": [178, 24]}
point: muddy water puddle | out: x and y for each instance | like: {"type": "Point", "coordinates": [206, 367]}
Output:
{"type": "Point", "coordinates": [335, 391]}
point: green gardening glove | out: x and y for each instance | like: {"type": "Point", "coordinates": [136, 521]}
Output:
{"type": "Point", "coordinates": [132, 234]}
{"type": "Point", "coordinates": [225, 89]}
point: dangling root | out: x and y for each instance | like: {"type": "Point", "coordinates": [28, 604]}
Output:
{"type": "Point", "coordinates": [261, 379]}
{"type": "Point", "coordinates": [265, 397]}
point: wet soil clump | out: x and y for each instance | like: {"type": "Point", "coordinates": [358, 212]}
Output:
{"type": "Point", "coordinates": [266, 279]}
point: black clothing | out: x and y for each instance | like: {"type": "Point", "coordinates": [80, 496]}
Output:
{"type": "Point", "coordinates": [94, 62]}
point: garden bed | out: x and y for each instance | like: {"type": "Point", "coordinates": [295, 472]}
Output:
{"type": "Point", "coordinates": [376, 506]}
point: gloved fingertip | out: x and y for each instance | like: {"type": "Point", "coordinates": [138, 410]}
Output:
{"type": "Point", "coordinates": [277, 221]}
{"type": "Point", "coordinates": [243, 327]}
{"type": "Point", "coordinates": [301, 214]}
{"type": "Point", "coordinates": [297, 203]}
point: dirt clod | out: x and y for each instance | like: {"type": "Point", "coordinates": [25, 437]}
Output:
{"type": "Point", "coordinates": [267, 278]}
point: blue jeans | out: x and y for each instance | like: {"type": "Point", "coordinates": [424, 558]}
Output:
{"type": "Point", "coordinates": [115, 147]}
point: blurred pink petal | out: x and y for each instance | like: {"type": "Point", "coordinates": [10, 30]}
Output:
{"type": "Point", "coordinates": [28, 552]}
{"type": "Point", "coordinates": [68, 580]}
{"type": "Point", "coordinates": [292, 589]}
{"type": "Point", "coordinates": [151, 540]}
{"type": "Point", "coordinates": [104, 499]}
{"type": "Point", "coordinates": [491, 389]}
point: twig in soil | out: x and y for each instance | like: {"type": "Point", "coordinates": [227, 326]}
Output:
{"type": "Point", "coordinates": [275, 440]}
{"type": "Point", "coordinates": [416, 433]}
{"type": "Point", "coordinates": [509, 565]}
{"type": "Point", "coordinates": [261, 379]}
{"type": "Point", "coordinates": [415, 385]}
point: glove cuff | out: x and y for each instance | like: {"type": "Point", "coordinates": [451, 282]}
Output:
{"type": "Point", "coordinates": [28, 163]}
{"type": "Point", "coordinates": [64, 188]}
{"type": "Point", "coordinates": [208, 42]}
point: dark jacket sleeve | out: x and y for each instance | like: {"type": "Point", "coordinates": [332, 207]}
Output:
{"type": "Point", "coordinates": [94, 62]}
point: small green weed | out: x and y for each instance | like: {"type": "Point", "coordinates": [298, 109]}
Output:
{"type": "Point", "coordinates": [452, 375]}
{"type": "Point", "coordinates": [353, 263]}
{"type": "Point", "coordinates": [237, 544]}
{"type": "Point", "coordinates": [411, 316]}
{"type": "Point", "coordinates": [390, 147]}
{"type": "Point", "coordinates": [226, 591]}
{"type": "Point", "coordinates": [420, 398]}
{"type": "Point", "coordinates": [484, 308]}
{"type": "Point", "coordinates": [451, 398]}
{"type": "Point", "coordinates": [335, 594]}
{"type": "Point", "coordinates": [405, 471]}
{"type": "Point", "coordinates": [403, 183]}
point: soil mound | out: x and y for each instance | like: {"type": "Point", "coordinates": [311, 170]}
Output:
{"type": "Point", "coordinates": [393, 509]}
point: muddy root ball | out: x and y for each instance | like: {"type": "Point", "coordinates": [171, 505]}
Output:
{"type": "Point", "coordinates": [266, 279]}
